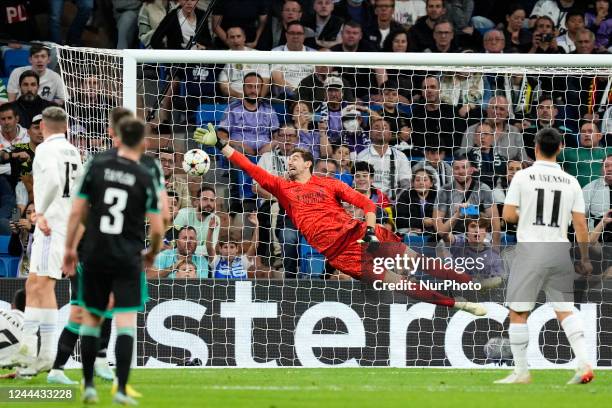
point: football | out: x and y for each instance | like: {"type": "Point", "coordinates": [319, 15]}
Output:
{"type": "Point", "coordinates": [196, 162]}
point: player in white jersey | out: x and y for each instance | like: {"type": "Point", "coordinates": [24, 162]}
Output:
{"type": "Point", "coordinates": [56, 166]}
{"type": "Point", "coordinates": [543, 200]}
{"type": "Point", "coordinates": [11, 330]}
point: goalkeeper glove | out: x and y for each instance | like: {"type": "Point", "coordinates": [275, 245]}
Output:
{"type": "Point", "coordinates": [370, 239]}
{"type": "Point", "coordinates": [209, 137]}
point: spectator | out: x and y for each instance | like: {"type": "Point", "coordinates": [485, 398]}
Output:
{"type": "Point", "coordinates": [444, 36]}
{"type": "Point", "coordinates": [286, 78]}
{"type": "Point", "coordinates": [439, 168]}
{"type": "Point", "coordinates": [227, 260]}
{"type": "Point", "coordinates": [29, 103]}
{"type": "Point", "coordinates": [364, 178]}
{"type": "Point", "coordinates": [179, 26]}
{"type": "Point", "coordinates": [413, 211]}
{"type": "Point", "coordinates": [358, 11]}
{"type": "Point", "coordinates": [399, 122]}
{"type": "Point", "coordinates": [11, 133]}
{"type": "Point", "coordinates": [200, 217]}
{"type": "Point", "coordinates": [126, 19]}
{"type": "Point", "coordinates": [359, 79]}
{"type": "Point", "coordinates": [599, 22]}
{"type": "Point", "coordinates": [518, 38]}
{"type": "Point", "coordinates": [51, 87]}
{"type": "Point", "coordinates": [378, 30]}
{"type": "Point", "coordinates": [488, 160]}
{"type": "Point", "coordinates": [392, 167]}
{"type": "Point", "coordinates": [342, 156]}
{"type": "Point", "coordinates": [494, 42]}
{"type": "Point", "coordinates": [325, 25]}
{"type": "Point", "coordinates": [544, 41]}
{"type": "Point", "coordinates": [556, 10]}
{"type": "Point", "coordinates": [249, 123]}
{"type": "Point", "coordinates": [325, 168]}
{"type": "Point", "coordinates": [271, 217]}
{"type": "Point", "coordinates": [150, 15]}
{"type": "Point", "coordinates": [309, 137]}
{"type": "Point", "coordinates": [251, 15]}
{"type": "Point", "coordinates": [574, 20]}
{"type": "Point", "coordinates": [464, 196]}
{"type": "Point", "coordinates": [597, 201]}
{"type": "Point", "coordinates": [584, 161]}
{"type": "Point", "coordinates": [331, 111]}
{"type": "Point", "coordinates": [186, 269]}
{"type": "Point", "coordinates": [167, 261]}
{"type": "Point", "coordinates": [435, 123]}
{"type": "Point", "coordinates": [466, 91]}
{"type": "Point", "coordinates": [500, 191]}
{"type": "Point", "coordinates": [75, 32]}
{"type": "Point", "coordinates": [508, 139]}
{"type": "Point", "coordinates": [291, 10]}
{"type": "Point", "coordinates": [174, 181]}
{"type": "Point", "coordinates": [91, 106]}
{"type": "Point", "coordinates": [459, 12]}
{"type": "Point", "coordinates": [231, 77]}
{"type": "Point", "coordinates": [546, 117]}
{"type": "Point", "coordinates": [173, 208]}
{"type": "Point", "coordinates": [407, 12]}
{"type": "Point", "coordinates": [20, 157]}
{"type": "Point", "coordinates": [422, 32]}
{"type": "Point", "coordinates": [397, 41]}
{"type": "Point", "coordinates": [485, 261]}
{"type": "Point", "coordinates": [22, 233]}
{"type": "Point", "coordinates": [585, 42]}
{"type": "Point", "coordinates": [314, 89]}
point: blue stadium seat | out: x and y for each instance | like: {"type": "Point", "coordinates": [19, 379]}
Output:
{"type": "Point", "coordinates": [312, 263]}
{"type": "Point", "coordinates": [210, 113]}
{"type": "Point", "coordinates": [4, 243]}
{"type": "Point", "coordinates": [15, 58]}
{"type": "Point", "coordinates": [8, 266]}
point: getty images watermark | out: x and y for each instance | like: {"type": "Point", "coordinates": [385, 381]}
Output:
{"type": "Point", "coordinates": [406, 265]}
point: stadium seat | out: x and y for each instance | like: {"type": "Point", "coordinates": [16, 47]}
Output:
{"type": "Point", "coordinates": [312, 263]}
{"type": "Point", "coordinates": [210, 113]}
{"type": "Point", "coordinates": [9, 266]}
{"type": "Point", "coordinates": [4, 244]}
{"type": "Point", "coordinates": [15, 58]}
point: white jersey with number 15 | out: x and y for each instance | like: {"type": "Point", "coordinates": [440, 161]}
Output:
{"type": "Point", "coordinates": [545, 196]}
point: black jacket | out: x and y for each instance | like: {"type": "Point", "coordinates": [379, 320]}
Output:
{"type": "Point", "coordinates": [27, 110]}
{"type": "Point", "coordinates": [170, 29]}
{"type": "Point", "coordinates": [330, 29]}
{"type": "Point", "coordinates": [409, 212]}
{"type": "Point", "coordinates": [373, 35]}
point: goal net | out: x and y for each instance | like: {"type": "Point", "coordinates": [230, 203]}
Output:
{"type": "Point", "coordinates": [403, 130]}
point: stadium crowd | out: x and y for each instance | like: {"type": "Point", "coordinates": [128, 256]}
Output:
{"type": "Point", "coordinates": [435, 151]}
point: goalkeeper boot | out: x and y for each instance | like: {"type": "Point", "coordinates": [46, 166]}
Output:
{"type": "Point", "coordinates": [130, 391]}
{"type": "Point", "coordinates": [122, 399]}
{"type": "Point", "coordinates": [516, 378]}
{"type": "Point", "coordinates": [58, 377]}
{"type": "Point", "coordinates": [90, 396]}
{"type": "Point", "coordinates": [583, 375]}
{"type": "Point", "coordinates": [103, 370]}
{"type": "Point", "coordinates": [474, 308]}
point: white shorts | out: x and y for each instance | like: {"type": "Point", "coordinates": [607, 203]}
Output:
{"type": "Point", "coordinates": [552, 271]}
{"type": "Point", "coordinates": [47, 255]}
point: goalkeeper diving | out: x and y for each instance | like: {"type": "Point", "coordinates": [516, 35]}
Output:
{"type": "Point", "coordinates": [314, 204]}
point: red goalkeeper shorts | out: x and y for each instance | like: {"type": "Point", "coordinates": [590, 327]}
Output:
{"type": "Point", "coordinates": [354, 260]}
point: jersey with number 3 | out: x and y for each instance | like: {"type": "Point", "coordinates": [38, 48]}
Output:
{"type": "Point", "coordinates": [545, 196]}
{"type": "Point", "coordinates": [120, 192]}
{"type": "Point", "coordinates": [56, 166]}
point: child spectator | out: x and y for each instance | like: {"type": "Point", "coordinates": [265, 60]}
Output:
{"type": "Point", "coordinates": [185, 269]}
{"type": "Point", "coordinates": [227, 260]}
{"type": "Point", "coordinates": [342, 156]}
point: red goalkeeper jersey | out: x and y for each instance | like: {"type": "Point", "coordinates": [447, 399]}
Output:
{"type": "Point", "coordinates": [314, 207]}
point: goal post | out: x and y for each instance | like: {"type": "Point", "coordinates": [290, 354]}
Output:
{"type": "Point", "coordinates": [316, 322]}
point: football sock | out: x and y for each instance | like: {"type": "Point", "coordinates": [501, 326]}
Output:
{"type": "Point", "coordinates": [31, 322]}
{"type": "Point", "coordinates": [90, 339]}
{"type": "Point", "coordinates": [575, 334]}
{"type": "Point", "coordinates": [105, 333]}
{"type": "Point", "coordinates": [124, 348]}
{"type": "Point", "coordinates": [48, 323]}
{"type": "Point", "coordinates": [519, 340]}
{"type": "Point", "coordinates": [65, 344]}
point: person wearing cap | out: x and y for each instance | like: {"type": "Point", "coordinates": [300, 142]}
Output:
{"type": "Point", "coordinates": [353, 133]}
{"type": "Point", "coordinates": [331, 110]}
{"type": "Point", "coordinates": [29, 103]}
{"type": "Point", "coordinates": [21, 155]}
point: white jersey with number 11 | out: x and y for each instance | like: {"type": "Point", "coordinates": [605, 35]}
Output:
{"type": "Point", "coordinates": [545, 196]}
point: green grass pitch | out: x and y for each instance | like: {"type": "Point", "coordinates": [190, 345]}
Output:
{"type": "Point", "coordinates": [344, 387]}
